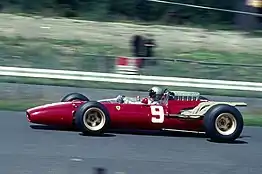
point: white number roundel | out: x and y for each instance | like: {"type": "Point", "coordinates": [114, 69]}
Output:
{"type": "Point", "coordinates": [157, 111]}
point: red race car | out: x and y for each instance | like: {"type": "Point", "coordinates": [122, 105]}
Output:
{"type": "Point", "coordinates": [174, 111]}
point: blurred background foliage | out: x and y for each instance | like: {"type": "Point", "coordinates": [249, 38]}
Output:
{"type": "Point", "coordinates": [140, 10]}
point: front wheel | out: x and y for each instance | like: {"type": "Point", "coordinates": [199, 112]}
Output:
{"type": "Point", "coordinates": [92, 118]}
{"type": "Point", "coordinates": [223, 123]}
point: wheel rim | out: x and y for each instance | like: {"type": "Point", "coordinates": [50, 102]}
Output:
{"type": "Point", "coordinates": [226, 124]}
{"type": "Point", "coordinates": [94, 119]}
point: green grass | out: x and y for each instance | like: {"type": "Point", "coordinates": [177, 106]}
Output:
{"type": "Point", "coordinates": [121, 86]}
{"type": "Point", "coordinates": [78, 55]}
{"type": "Point", "coordinates": [253, 120]}
{"type": "Point", "coordinates": [18, 106]}
{"type": "Point", "coordinates": [80, 45]}
{"type": "Point", "coordinates": [75, 55]}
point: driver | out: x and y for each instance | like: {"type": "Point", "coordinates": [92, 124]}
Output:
{"type": "Point", "coordinates": [155, 95]}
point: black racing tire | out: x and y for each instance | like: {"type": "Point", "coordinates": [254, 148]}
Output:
{"type": "Point", "coordinates": [218, 113]}
{"type": "Point", "coordinates": [82, 114]}
{"type": "Point", "coordinates": [74, 96]}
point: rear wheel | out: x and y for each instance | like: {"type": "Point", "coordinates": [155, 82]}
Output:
{"type": "Point", "coordinates": [92, 118]}
{"type": "Point", "coordinates": [223, 123]}
{"type": "Point", "coordinates": [74, 96]}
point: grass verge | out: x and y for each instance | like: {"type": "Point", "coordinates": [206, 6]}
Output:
{"type": "Point", "coordinates": [75, 55]}
{"type": "Point", "coordinates": [39, 43]}
{"type": "Point", "coordinates": [253, 120]}
{"type": "Point", "coordinates": [118, 34]}
{"type": "Point", "coordinates": [122, 86]}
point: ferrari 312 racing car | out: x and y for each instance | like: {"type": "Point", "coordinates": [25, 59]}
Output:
{"type": "Point", "coordinates": [175, 111]}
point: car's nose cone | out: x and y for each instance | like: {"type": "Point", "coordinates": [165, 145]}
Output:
{"type": "Point", "coordinates": [28, 116]}
{"type": "Point", "coordinates": [34, 114]}
{"type": "Point", "coordinates": [60, 113]}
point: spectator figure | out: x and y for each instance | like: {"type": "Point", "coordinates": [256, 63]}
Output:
{"type": "Point", "coordinates": [149, 50]}
{"type": "Point", "coordinates": [137, 46]}
{"type": "Point", "coordinates": [149, 45]}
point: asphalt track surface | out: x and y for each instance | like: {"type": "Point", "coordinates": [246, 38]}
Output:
{"type": "Point", "coordinates": [42, 150]}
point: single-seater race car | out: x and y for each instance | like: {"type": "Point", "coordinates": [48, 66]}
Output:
{"type": "Point", "coordinates": [174, 111]}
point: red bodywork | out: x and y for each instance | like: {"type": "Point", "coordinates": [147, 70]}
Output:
{"type": "Point", "coordinates": [122, 116]}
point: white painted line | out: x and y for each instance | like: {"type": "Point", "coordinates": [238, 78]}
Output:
{"type": "Point", "coordinates": [130, 79]}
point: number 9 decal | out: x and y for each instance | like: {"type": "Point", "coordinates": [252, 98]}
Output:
{"type": "Point", "coordinates": [157, 111]}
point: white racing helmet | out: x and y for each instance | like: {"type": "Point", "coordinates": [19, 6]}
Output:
{"type": "Point", "coordinates": [156, 93]}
